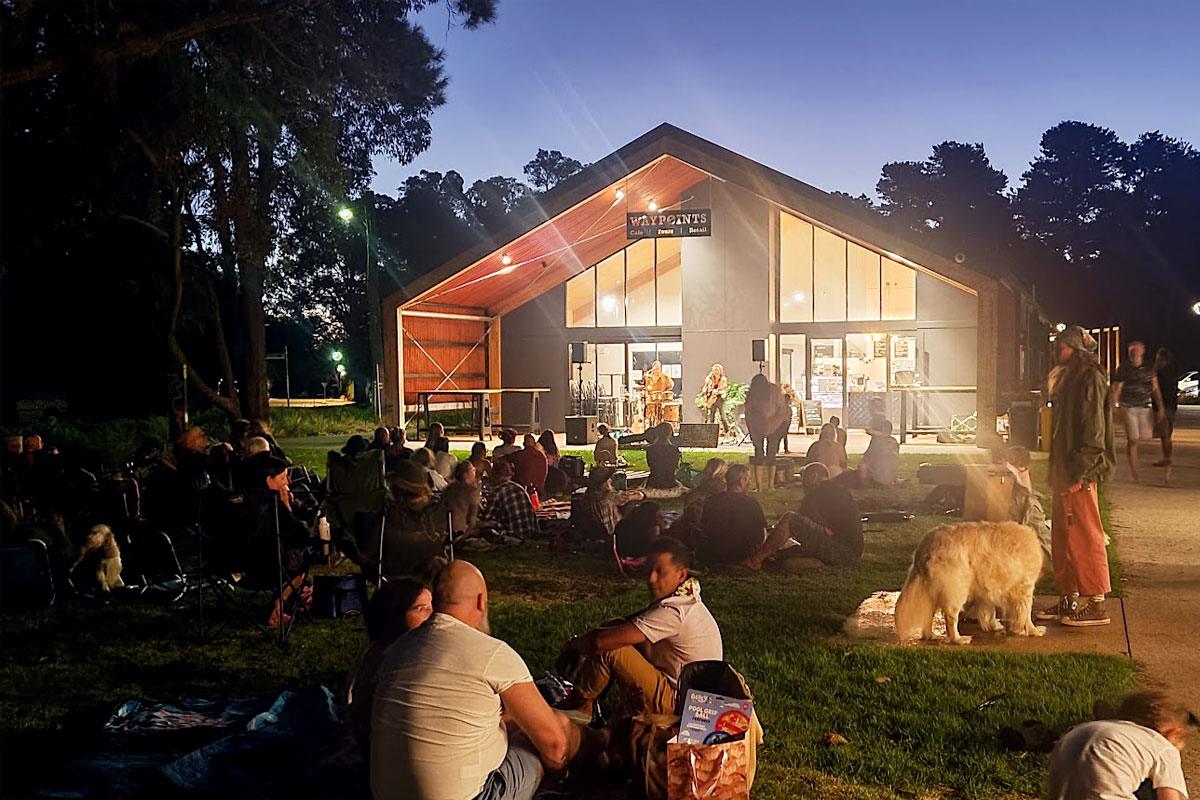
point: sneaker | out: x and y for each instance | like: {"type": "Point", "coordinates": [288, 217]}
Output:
{"type": "Point", "coordinates": [1056, 612]}
{"type": "Point", "coordinates": [1087, 615]}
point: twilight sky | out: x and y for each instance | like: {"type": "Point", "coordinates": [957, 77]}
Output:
{"type": "Point", "coordinates": [826, 92]}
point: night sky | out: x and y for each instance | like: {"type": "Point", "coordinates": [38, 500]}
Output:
{"type": "Point", "coordinates": [825, 92]}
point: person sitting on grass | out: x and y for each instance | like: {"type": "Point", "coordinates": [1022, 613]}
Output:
{"type": "Point", "coordinates": [637, 529]}
{"type": "Point", "coordinates": [733, 528]}
{"type": "Point", "coordinates": [645, 652]}
{"type": "Point", "coordinates": [462, 499]}
{"type": "Point", "coordinates": [597, 513]}
{"type": "Point", "coordinates": [529, 465]}
{"type": "Point", "coordinates": [437, 432]}
{"type": "Point", "coordinates": [483, 464]}
{"type": "Point", "coordinates": [508, 507]}
{"type": "Point", "coordinates": [549, 446]}
{"type": "Point", "coordinates": [839, 431]}
{"type": "Point", "coordinates": [260, 427]}
{"type": "Point", "coordinates": [662, 457]}
{"type": "Point", "coordinates": [273, 534]}
{"type": "Point", "coordinates": [381, 439]}
{"type": "Point", "coordinates": [826, 450]}
{"type": "Point", "coordinates": [711, 481]}
{"type": "Point", "coordinates": [426, 460]}
{"type": "Point", "coordinates": [397, 451]}
{"type": "Point", "coordinates": [829, 524]}
{"type": "Point", "coordinates": [415, 526]}
{"type": "Point", "coordinates": [456, 714]}
{"type": "Point", "coordinates": [397, 607]}
{"type": "Point", "coordinates": [605, 453]}
{"type": "Point", "coordinates": [508, 444]}
{"type": "Point", "coordinates": [443, 461]}
{"type": "Point", "coordinates": [880, 463]}
{"type": "Point", "coordinates": [1112, 758]}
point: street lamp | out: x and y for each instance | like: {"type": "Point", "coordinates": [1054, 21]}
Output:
{"type": "Point", "coordinates": [336, 355]}
{"type": "Point", "coordinates": [345, 214]}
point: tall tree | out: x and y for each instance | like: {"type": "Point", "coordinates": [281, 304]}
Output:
{"type": "Point", "coordinates": [1072, 191]}
{"type": "Point", "coordinates": [548, 167]}
{"type": "Point", "coordinates": [268, 95]}
{"type": "Point", "coordinates": [954, 201]}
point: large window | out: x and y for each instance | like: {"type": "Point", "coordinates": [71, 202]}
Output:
{"type": "Point", "coordinates": [862, 284]}
{"type": "Point", "coordinates": [640, 286]}
{"type": "Point", "coordinates": [825, 278]}
{"type": "Point", "coordinates": [795, 269]}
{"type": "Point", "coordinates": [829, 277]}
{"type": "Point", "coordinates": [899, 291]}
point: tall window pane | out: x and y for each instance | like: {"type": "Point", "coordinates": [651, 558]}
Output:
{"type": "Point", "coordinates": [610, 291]}
{"type": "Point", "coordinates": [899, 291]}
{"type": "Point", "coordinates": [639, 283]}
{"type": "Point", "coordinates": [795, 269]}
{"type": "Point", "coordinates": [862, 283]}
{"type": "Point", "coordinates": [581, 300]}
{"type": "Point", "coordinates": [670, 281]}
{"type": "Point", "coordinates": [829, 277]}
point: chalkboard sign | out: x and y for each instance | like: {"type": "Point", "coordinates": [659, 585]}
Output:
{"type": "Point", "coordinates": [810, 413]}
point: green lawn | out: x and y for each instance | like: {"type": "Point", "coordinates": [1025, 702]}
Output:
{"type": "Point", "coordinates": [916, 734]}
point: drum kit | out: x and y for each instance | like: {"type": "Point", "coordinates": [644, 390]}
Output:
{"type": "Point", "coordinates": [660, 407]}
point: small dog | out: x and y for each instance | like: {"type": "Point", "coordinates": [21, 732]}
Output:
{"type": "Point", "coordinates": [100, 540]}
{"type": "Point", "coordinates": [987, 564]}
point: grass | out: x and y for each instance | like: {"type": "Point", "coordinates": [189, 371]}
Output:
{"type": "Point", "coordinates": [916, 734]}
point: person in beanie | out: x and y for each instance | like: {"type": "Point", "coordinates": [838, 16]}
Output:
{"type": "Point", "coordinates": [1081, 455]}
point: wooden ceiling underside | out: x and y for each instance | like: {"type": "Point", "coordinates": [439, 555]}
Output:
{"type": "Point", "coordinates": [562, 247]}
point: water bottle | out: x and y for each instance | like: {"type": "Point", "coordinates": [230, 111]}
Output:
{"type": "Point", "coordinates": [534, 499]}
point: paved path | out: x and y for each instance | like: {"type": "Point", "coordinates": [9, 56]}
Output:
{"type": "Point", "coordinates": [1157, 532]}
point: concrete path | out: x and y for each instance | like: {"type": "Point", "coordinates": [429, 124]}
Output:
{"type": "Point", "coordinates": [1157, 532]}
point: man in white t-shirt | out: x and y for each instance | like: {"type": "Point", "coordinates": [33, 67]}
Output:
{"type": "Point", "coordinates": [444, 694]}
{"type": "Point", "coordinates": [1110, 758]}
{"type": "Point", "coordinates": [644, 653]}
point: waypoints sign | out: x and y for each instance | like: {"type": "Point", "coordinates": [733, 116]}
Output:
{"type": "Point", "coordinates": [667, 224]}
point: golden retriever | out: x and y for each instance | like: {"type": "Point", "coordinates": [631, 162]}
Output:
{"type": "Point", "coordinates": [989, 565]}
{"type": "Point", "coordinates": [100, 540]}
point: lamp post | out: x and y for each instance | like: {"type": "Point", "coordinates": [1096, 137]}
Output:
{"type": "Point", "coordinates": [374, 326]}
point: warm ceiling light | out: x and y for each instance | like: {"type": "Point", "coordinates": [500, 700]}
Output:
{"type": "Point", "coordinates": [506, 259]}
{"type": "Point", "coordinates": [653, 206]}
{"type": "Point", "coordinates": [620, 194]}
{"type": "Point", "coordinates": [798, 297]}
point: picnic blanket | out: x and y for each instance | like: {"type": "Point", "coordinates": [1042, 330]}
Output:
{"type": "Point", "coordinates": [260, 747]}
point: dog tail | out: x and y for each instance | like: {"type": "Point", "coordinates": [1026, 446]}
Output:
{"type": "Point", "coordinates": [915, 606]}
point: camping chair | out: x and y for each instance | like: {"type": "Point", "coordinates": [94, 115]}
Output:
{"type": "Point", "coordinates": [628, 567]}
{"type": "Point", "coordinates": [26, 577]}
{"type": "Point", "coordinates": [151, 568]}
{"type": "Point", "coordinates": [355, 503]}
{"type": "Point", "coordinates": [228, 574]}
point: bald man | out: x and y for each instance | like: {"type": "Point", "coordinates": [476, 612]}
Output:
{"type": "Point", "coordinates": [446, 695]}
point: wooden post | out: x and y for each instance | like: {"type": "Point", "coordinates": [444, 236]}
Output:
{"type": "Point", "coordinates": [495, 373]}
{"type": "Point", "coordinates": [987, 346]}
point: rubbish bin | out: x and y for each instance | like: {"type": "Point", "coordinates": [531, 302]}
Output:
{"type": "Point", "coordinates": [1023, 424]}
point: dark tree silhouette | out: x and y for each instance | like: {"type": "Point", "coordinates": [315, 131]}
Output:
{"type": "Point", "coordinates": [954, 201]}
{"type": "Point", "coordinates": [549, 167]}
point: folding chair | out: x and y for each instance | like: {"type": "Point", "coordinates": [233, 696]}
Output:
{"type": "Point", "coordinates": [26, 577]}
{"type": "Point", "coordinates": [355, 502]}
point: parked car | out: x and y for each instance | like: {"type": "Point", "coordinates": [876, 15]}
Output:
{"type": "Point", "coordinates": [1189, 387]}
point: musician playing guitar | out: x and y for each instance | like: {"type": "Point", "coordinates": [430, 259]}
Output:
{"type": "Point", "coordinates": [715, 387]}
{"type": "Point", "coordinates": [659, 389]}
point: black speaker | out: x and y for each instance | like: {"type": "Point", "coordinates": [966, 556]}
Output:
{"type": "Point", "coordinates": [758, 350]}
{"type": "Point", "coordinates": [582, 430]}
{"type": "Point", "coordinates": [578, 352]}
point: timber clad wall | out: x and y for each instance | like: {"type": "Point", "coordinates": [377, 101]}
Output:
{"type": "Point", "coordinates": [436, 346]}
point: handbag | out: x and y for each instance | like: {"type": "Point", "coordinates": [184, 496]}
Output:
{"type": "Point", "coordinates": [708, 771]}
{"type": "Point", "coordinates": [648, 751]}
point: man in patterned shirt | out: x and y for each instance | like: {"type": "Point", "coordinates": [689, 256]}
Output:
{"type": "Point", "coordinates": [507, 504]}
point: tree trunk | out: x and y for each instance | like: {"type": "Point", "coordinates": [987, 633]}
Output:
{"type": "Point", "coordinates": [251, 200]}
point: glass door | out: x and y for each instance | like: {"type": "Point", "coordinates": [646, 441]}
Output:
{"type": "Point", "coordinates": [828, 370]}
{"type": "Point", "coordinates": [793, 362]}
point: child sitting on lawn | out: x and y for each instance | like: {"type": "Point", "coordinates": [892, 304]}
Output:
{"type": "Point", "coordinates": [1112, 758]}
